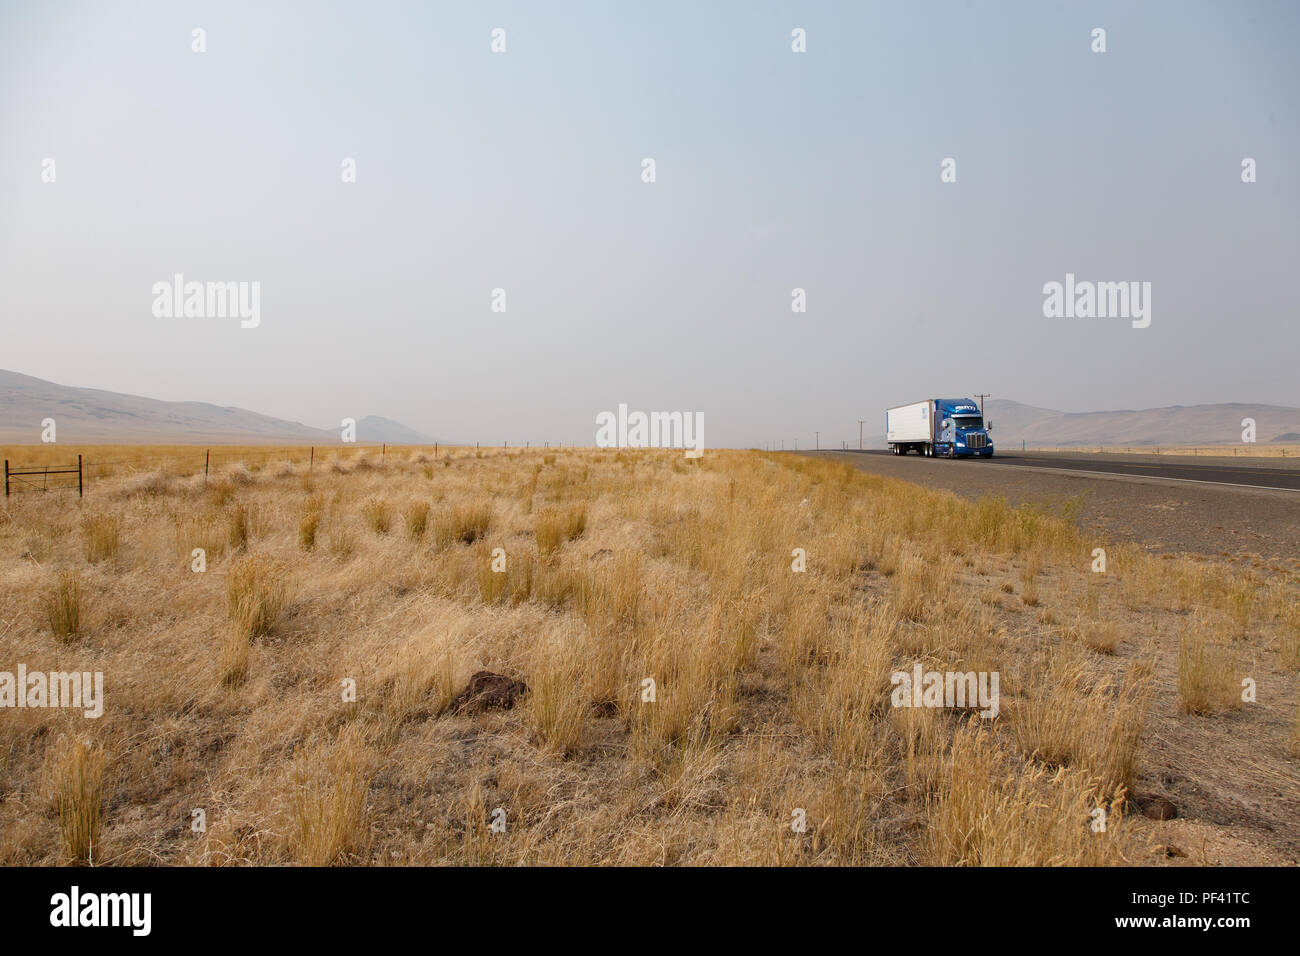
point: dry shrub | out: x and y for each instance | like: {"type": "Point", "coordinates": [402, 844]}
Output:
{"type": "Point", "coordinates": [549, 530]}
{"type": "Point", "coordinates": [465, 523]}
{"type": "Point", "coordinates": [201, 529]}
{"type": "Point", "coordinates": [991, 811]}
{"type": "Point", "coordinates": [609, 593]}
{"type": "Point", "coordinates": [557, 708]}
{"type": "Point", "coordinates": [378, 515]}
{"type": "Point", "coordinates": [238, 474]}
{"type": "Point", "coordinates": [519, 574]}
{"type": "Point", "coordinates": [1207, 682]}
{"type": "Point", "coordinates": [255, 592]}
{"type": "Point", "coordinates": [553, 526]}
{"type": "Point", "coordinates": [327, 806]}
{"type": "Point", "coordinates": [492, 583]}
{"type": "Point", "coordinates": [420, 680]}
{"type": "Point", "coordinates": [920, 585]}
{"type": "Point", "coordinates": [101, 536]}
{"type": "Point", "coordinates": [417, 519]}
{"type": "Point", "coordinates": [238, 528]}
{"type": "Point", "coordinates": [1094, 725]}
{"type": "Point", "coordinates": [678, 733]}
{"type": "Point", "coordinates": [78, 775]}
{"type": "Point", "coordinates": [805, 636]}
{"type": "Point", "coordinates": [152, 484]}
{"type": "Point", "coordinates": [63, 606]}
{"type": "Point", "coordinates": [841, 707]}
{"type": "Point", "coordinates": [1097, 635]}
{"type": "Point", "coordinates": [309, 523]}
{"type": "Point", "coordinates": [343, 543]}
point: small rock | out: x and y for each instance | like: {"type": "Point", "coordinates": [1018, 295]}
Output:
{"type": "Point", "coordinates": [1172, 851]}
{"type": "Point", "coordinates": [487, 690]}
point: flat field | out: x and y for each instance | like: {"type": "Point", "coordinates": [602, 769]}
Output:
{"type": "Point", "coordinates": [704, 650]}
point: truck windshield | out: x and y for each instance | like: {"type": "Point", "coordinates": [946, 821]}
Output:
{"type": "Point", "coordinates": [969, 421]}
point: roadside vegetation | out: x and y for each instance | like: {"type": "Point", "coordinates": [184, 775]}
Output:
{"type": "Point", "coordinates": [695, 662]}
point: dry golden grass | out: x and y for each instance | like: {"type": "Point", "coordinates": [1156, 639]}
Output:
{"type": "Point", "coordinates": [1207, 681]}
{"type": "Point", "coordinates": [991, 813]}
{"type": "Point", "coordinates": [63, 606]}
{"type": "Point", "coordinates": [378, 515]}
{"type": "Point", "coordinates": [101, 535]}
{"type": "Point", "coordinates": [461, 523]}
{"type": "Point", "coordinates": [417, 519]}
{"type": "Point", "coordinates": [690, 692]}
{"type": "Point", "coordinates": [78, 776]}
{"type": "Point", "coordinates": [327, 806]}
{"type": "Point", "coordinates": [309, 525]}
{"type": "Point", "coordinates": [255, 591]}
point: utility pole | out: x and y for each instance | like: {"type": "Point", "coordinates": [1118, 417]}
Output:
{"type": "Point", "coordinates": [860, 434]}
{"type": "Point", "coordinates": [981, 396]}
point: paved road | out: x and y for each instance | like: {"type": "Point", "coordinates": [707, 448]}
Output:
{"type": "Point", "coordinates": [1254, 473]}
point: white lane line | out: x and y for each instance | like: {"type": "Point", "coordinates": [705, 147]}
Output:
{"type": "Point", "coordinates": [1084, 473]}
{"type": "Point", "coordinates": [1120, 474]}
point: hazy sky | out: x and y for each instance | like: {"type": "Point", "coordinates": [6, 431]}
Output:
{"type": "Point", "coordinates": [775, 170]}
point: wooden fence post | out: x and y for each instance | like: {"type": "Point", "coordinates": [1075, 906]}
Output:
{"type": "Point", "coordinates": [311, 463]}
{"type": "Point", "coordinates": [80, 486]}
{"type": "Point", "coordinates": [207, 458]}
{"type": "Point", "coordinates": [6, 477]}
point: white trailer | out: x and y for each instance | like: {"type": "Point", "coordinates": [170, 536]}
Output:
{"type": "Point", "coordinates": [909, 427]}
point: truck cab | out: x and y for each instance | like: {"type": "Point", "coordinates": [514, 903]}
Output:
{"type": "Point", "coordinates": [960, 429]}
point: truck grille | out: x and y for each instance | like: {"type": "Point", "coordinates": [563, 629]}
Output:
{"type": "Point", "coordinates": [977, 441]}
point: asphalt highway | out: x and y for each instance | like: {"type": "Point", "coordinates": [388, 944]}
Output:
{"type": "Point", "coordinates": [1253, 472]}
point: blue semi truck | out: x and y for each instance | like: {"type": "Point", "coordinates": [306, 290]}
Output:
{"type": "Point", "coordinates": [939, 428]}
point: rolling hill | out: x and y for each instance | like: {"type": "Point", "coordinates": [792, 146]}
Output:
{"type": "Point", "coordinates": [1174, 425]}
{"type": "Point", "coordinates": [95, 416]}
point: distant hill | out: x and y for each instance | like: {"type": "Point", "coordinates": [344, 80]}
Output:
{"type": "Point", "coordinates": [373, 428]}
{"type": "Point", "coordinates": [95, 416]}
{"type": "Point", "coordinates": [1175, 425]}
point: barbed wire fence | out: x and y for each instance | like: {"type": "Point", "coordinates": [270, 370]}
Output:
{"type": "Point", "coordinates": [82, 475]}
